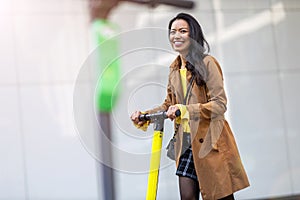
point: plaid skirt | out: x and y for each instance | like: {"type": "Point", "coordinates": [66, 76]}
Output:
{"type": "Point", "coordinates": [186, 166]}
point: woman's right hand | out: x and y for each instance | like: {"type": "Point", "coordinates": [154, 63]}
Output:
{"type": "Point", "coordinates": [171, 112]}
{"type": "Point", "coordinates": [135, 118]}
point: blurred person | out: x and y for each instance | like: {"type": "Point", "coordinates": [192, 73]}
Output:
{"type": "Point", "coordinates": [206, 154]}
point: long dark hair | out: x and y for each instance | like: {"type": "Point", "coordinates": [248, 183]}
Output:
{"type": "Point", "coordinates": [197, 48]}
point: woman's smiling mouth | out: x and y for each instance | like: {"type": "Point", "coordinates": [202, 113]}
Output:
{"type": "Point", "coordinates": [178, 43]}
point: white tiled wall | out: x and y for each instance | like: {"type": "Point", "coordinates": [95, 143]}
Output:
{"type": "Point", "coordinates": [12, 171]}
{"type": "Point", "coordinates": [45, 44]}
{"type": "Point", "coordinates": [55, 159]}
{"type": "Point", "coordinates": [290, 81]}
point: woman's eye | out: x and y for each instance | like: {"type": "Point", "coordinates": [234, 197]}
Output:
{"type": "Point", "coordinates": [183, 31]}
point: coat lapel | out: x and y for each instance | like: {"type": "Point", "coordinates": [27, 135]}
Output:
{"type": "Point", "coordinates": [176, 80]}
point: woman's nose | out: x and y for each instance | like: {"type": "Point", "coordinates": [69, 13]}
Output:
{"type": "Point", "coordinates": [177, 35]}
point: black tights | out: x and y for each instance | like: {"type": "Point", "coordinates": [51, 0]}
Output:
{"type": "Point", "coordinates": [189, 189]}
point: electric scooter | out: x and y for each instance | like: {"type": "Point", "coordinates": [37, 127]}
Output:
{"type": "Point", "coordinates": [158, 124]}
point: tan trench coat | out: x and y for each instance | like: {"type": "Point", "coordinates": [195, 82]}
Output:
{"type": "Point", "coordinates": [217, 162]}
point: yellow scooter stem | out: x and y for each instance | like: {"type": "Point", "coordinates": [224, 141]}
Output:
{"type": "Point", "coordinates": [154, 165]}
{"type": "Point", "coordinates": [158, 121]}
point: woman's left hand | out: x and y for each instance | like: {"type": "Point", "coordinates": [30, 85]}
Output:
{"type": "Point", "coordinates": [171, 112]}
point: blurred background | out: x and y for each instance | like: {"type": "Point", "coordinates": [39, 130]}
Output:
{"type": "Point", "coordinates": [44, 46]}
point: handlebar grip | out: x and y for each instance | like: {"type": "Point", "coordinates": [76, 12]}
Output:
{"type": "Point", "coordinates": [148, 117]}
{"type": "Point", "coordinates": [177, 113]}
{"type": "Point", "coordinates": [144, 117]}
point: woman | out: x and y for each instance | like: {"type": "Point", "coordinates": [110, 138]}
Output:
{"type": "Point", "coordinates": [211, 163]}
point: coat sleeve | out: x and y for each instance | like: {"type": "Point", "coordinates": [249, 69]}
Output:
{"type": "Point", "coordinates": [216, 97]}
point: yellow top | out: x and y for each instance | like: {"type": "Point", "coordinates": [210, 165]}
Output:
{"type": "Point", "coordinates": [184, 117]}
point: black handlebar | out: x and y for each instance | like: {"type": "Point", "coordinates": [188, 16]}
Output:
{"type": "Point", "coordinates": [162, 114]}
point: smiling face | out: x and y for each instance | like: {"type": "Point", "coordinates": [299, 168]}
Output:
{"type": "Point", "coordinates": [179, 36]}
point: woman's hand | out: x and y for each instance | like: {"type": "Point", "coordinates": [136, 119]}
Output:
{"type": "Point", "coordinates": [135, 118]}
{"type": "Point", "coordinates": [171, 112]}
